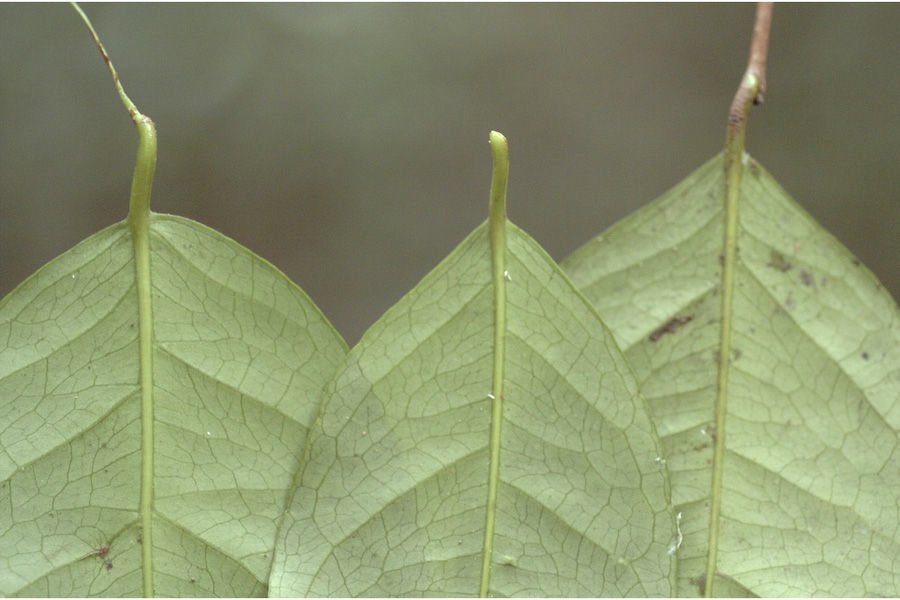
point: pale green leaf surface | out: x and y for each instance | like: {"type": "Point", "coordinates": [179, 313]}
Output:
{"type": "Point", "coordinates": [811, 489]}
{"type": "Point", "coordinates": [241, 356]}
{"type": "Point", "coordinates": [393, 496]}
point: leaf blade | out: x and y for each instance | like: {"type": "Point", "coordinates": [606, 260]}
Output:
{"type": "Point", "coordinates": [391, 500]}
{"type": "Point", "coordinates": [216, 526]}
{"type": "Point", "coordinates": [805, 312]}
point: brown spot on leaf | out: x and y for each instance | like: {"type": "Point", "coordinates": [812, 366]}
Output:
{"type": "Point", "coordinates": [778, 261]}
{"type": "Point", "coordinates": [700, 582]}
{"type": "Point", "coordinates": [806, 278]}
{"type": "Point", "coordinates": [673, 324]}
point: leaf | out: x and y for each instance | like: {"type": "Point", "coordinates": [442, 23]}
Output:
{"type": "Point", "coordinates": [810, 452]}
{"type": "Point", "coordinates": [240, 358]}
{"type": "Point", "coordinates": [395, 497]}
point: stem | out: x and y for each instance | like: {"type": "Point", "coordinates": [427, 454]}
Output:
{"type": "Point", "coordinates": [139, 221]}
{"type": "Point", "coordinates": [497, 236]}
{"type": "Point", "coordinates": [753, 85]}
{"type": "Point", "coordinates": [749, 92]}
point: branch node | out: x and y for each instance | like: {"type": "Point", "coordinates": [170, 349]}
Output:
{"type": "Point", "coordinates": [752, 88]}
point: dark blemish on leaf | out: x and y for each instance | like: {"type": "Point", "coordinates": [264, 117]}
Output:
{"type": "Point", "coordinates": [855, 261]}
{"type": "Point", "coordinates": [806, 278]}
{"type": "Point", "coordinates": [737, 354]}
{"type": "Point", "coordinates": [865, 355]}
{"type": "Point", "coordinates": [108, 565]}
{"type": "Point", "coordinates": [700, 582]}
{"type": "Point", "coordinates": [700, 447]}
{"type": "Point", "coordinates": [670, 327]}
{"type": "Point", "coordinates": [721, 259]}
{"type": "Point", "coordinates": [100, 552]}
{"type": "Point", "coordinates": [778, 261]}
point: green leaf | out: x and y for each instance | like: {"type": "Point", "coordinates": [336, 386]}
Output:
{"type": "Point", "coordinates": [810, 452]}
{"type": "Point", "coordinates": [240, 356]}
{"type": "Point", "coordinates": [409, 483]}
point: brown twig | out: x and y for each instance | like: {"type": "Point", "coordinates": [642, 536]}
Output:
{"type": "Point", "coordinates": [753, 85]}
{"type": "Point", "coordinates": [759, 47]}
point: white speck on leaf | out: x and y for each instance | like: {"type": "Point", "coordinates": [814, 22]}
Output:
{"type": "Point", "coordinates": [678, 536]}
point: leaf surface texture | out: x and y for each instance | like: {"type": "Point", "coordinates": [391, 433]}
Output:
{"type": "Point", "coordinates": [392, 498]}
{"type": "Point", "coordinates": [240, 357]}
{"type": "Point", "coordinates": [810, 498]}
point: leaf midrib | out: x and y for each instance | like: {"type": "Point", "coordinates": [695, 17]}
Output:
{"type": "Point", "coordinates": [497, 238]}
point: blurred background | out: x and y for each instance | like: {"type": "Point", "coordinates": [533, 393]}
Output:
{"type": "Point", "coordinates": [347, 144]}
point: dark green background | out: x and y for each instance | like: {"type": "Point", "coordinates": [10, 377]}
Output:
{"type": "Point", "coordinates": [347, 144]}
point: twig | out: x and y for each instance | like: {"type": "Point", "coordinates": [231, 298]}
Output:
{"type": "Point", "coordinates": [759, 47]}
{"type": "Point", "coordinates": [136, 116]}
{"type": "Point", "coordinates": [753, 85]}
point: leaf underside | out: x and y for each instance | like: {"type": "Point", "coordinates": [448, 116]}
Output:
{"type": "Point", "coordinates": [811, 485]}
{"type": "Point", "coordinates": [392, 498]}
{"type": "Point", "coordinates": [391, 494]}
{"type": "Point", "coordinates": [240, 358]}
